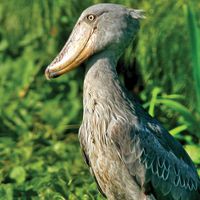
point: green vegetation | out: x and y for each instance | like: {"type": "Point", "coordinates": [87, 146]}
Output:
{"type": "Point", "coordinates": [39, 151]}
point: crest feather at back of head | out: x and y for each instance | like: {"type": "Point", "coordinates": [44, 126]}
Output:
{"type": "Point", "coordinates": [137, 14]}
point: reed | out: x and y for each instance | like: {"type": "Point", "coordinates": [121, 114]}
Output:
{"type": "Point", "coordinates": [194, 33]}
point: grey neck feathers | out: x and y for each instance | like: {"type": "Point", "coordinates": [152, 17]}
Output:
{"type": "Point", "coordinates": [100, 72]}
{"type": "Point", "coordinates": [101, 78]}
{"type": "Point", "coordinates": [103, 91]}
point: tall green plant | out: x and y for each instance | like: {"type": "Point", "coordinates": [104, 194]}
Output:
{"type": "Point", "coordinates": [163, 50]}
{"type": "Point", "coordinates": [187, 120]}
{"type": "Point", "coordinates": [187, 125]}
{"type": "Point", "coordinates": [194, 32]}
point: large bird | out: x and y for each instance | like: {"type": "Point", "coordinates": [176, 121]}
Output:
{"type": "Point", "coordinates": [130, 154]}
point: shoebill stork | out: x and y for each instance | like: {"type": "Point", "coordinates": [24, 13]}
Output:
{"type": "Point", "coordinates": [129, 153]}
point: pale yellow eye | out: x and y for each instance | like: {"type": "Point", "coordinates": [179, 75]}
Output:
{"type": "Point", "coordinates": [91, 17]}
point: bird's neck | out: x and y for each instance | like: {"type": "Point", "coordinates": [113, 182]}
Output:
{"type": "Point", "coordinates": [102, 86]}
{"type": "Point", "coordinates": [101, 76]}
{"type": "Point", "coordinates": [100, 72]}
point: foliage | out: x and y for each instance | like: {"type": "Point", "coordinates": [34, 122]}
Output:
{"type": "Point", "coordinates": [39, 155]}
{"type": "Point", "coordinates": [194, 31]}
{"type": "Point", "coordinates": [44, 169]}
{"type": "Point", "coordinates": [164, 51]}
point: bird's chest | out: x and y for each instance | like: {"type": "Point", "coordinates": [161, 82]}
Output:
{"type": "Point", "coordinates": [106, 165]}
{"type": "Point", "coordinates": [103, 161]}
{"type": "Point", "coordinates": [110, 172]}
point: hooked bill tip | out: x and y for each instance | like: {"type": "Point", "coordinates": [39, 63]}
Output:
{"type": "Point", "coordinates": [49, 75]}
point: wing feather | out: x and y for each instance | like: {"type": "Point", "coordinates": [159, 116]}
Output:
{"type": "Point", "coordinates": [155, 158]}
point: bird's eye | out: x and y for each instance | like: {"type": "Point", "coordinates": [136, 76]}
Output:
{"type": "Point", "coordinates": [91, 17]}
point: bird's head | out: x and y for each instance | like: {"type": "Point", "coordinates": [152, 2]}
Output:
{"type": "Point", "coordinates": [100, 27]}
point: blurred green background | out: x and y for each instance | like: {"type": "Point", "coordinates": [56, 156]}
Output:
{"type": "Point", "coordinates": [39, 119]}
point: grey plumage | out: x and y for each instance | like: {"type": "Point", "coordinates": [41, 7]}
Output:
{"type": "Point", "coordinates": [130, 154]}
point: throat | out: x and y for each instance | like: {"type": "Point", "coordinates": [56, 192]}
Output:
{"type": "Point", "coordinates": [101, 80]}
{"type": "Point", "coordinates": [103, 92]}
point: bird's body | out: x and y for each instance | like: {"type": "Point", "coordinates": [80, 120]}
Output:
{"type": "Point", "coordinates": [131, 156]}
{"type": "Point", "coordinates": [129, 153]}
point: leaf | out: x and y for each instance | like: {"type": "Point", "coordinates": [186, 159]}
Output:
{"type": "Point", "coordinates": [3, 45]}
{"type": "Point", "coordinates": [194, 152]}
{"type": "Point", "coordinates": [6, 192]}
{"type": "Point", "coordinates": [178, 129]}
{"type": "Point", "coordinates": [18, 173]}
{"type": "Point", "coordinates": [172, 96]}
{"type": "Point", "coordinates": [153, 101]}
{"type": "Point", "coordinates": [176, 106]}
{"type": "Point", "coordinates": [194, 33]}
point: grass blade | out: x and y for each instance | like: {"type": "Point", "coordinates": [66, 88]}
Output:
{"type": "Point", "coordinates": [194, 33]}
